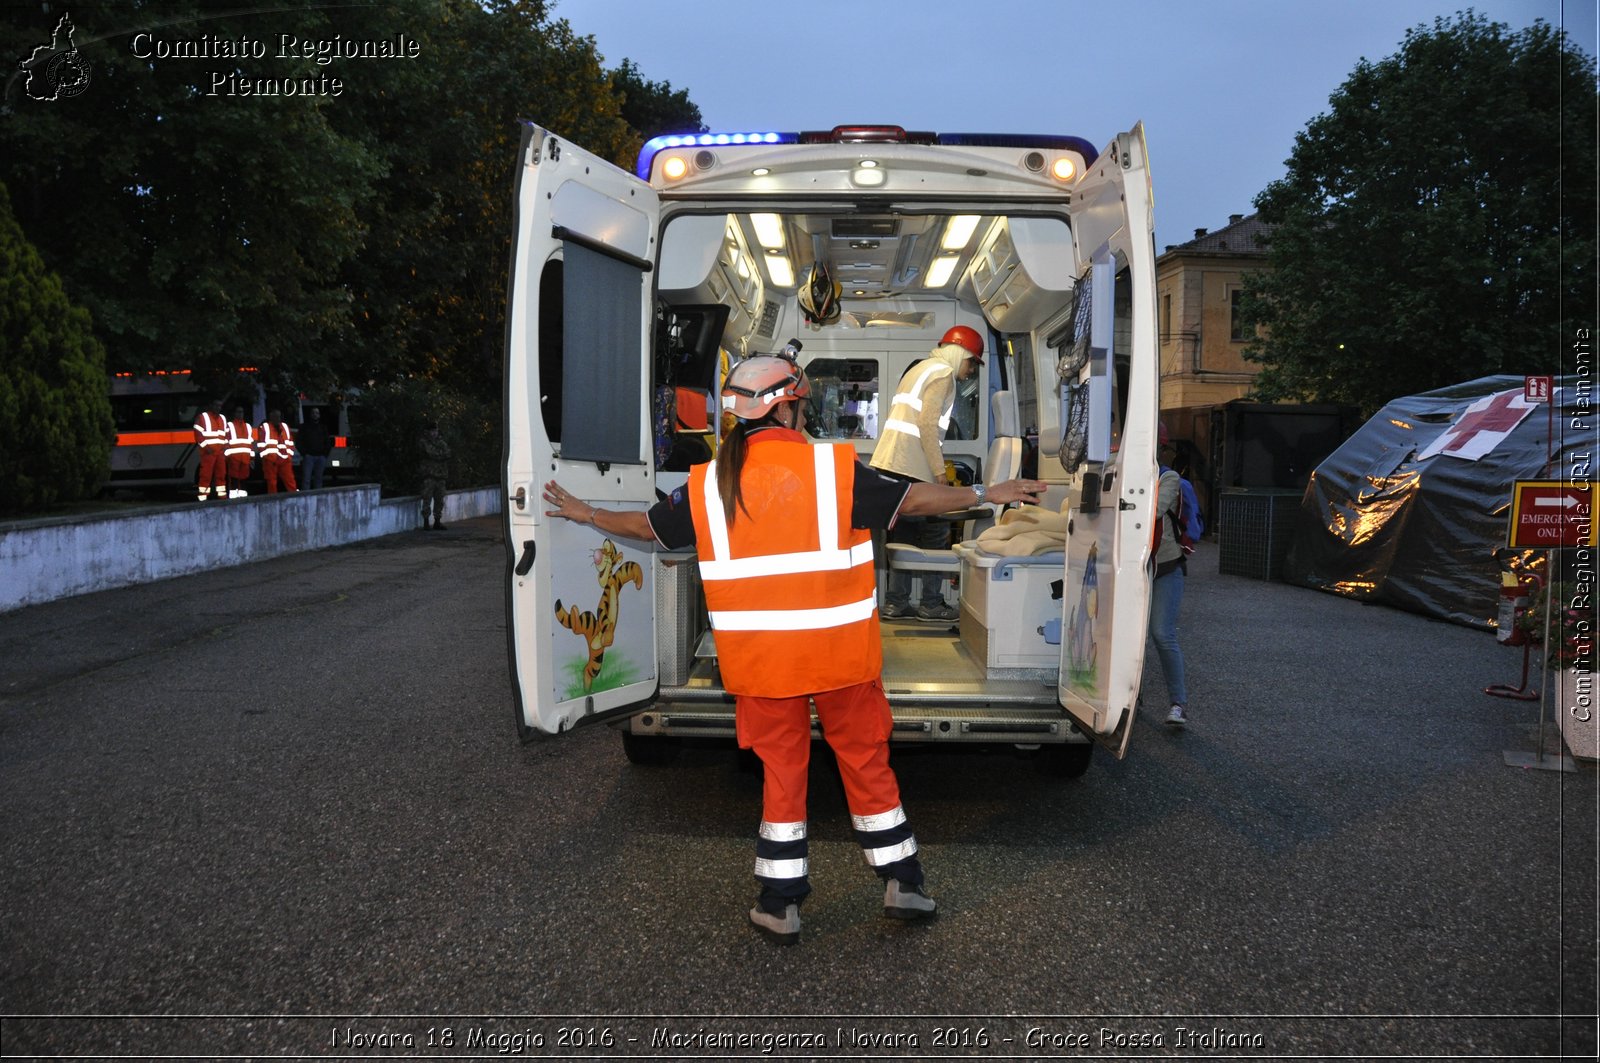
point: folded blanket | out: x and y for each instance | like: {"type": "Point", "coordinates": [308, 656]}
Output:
{"type": "Point", "coordinates": [1025, 531]}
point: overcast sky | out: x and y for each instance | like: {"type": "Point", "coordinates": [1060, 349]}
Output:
{"type": "Point", "coordinates": [1222, 86]}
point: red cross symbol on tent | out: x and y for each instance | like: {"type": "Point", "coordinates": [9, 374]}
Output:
{"type": "Point", "coordinates": [1500, 417]}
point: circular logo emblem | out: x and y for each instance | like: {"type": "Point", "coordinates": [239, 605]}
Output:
{"type": "Point", "coordinates": [67, 74]}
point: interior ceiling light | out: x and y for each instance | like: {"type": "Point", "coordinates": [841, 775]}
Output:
{"type": "Point", "coordinates": [760, 171]}
{"type": "Point", "coordinates": [939, 272]}
{"type": "Point", "coordinates": [1063, 169]}
{"type": "Point", "coordinates": [675, 167]}
{"type": "Point", "coordinates": [868, 164]}
{"type": "Point", "coordinates": [959, 231]}
{"type": "Point", "coordinates": [780, 271]}
{"type": "Point", "coordinates": [867, 178]}
{"type": "Point", "coordinates": [769, 230]}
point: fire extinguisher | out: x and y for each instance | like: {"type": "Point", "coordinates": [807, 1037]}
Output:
{"type": "Point", "coordinates": [1516, 594]}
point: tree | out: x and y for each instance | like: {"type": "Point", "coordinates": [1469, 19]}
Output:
{"type": "Point", "coordinates": [201, 226]}
{"type": "Point", "coordinates": [1436, 224]}
{"type": "Point", "coordinates": [55, 414]}
{"type": "Point", "coordinates": [652, 107]}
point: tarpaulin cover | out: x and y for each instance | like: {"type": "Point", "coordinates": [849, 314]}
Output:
{"type": "Point", "coordinates": [1383, 520]}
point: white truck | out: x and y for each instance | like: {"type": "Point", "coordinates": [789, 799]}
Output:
{"type": "Point", "coordinates": [630, 295]}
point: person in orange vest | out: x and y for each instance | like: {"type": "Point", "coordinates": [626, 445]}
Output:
{"type": "Point", "coordinates": [782, 530]}
{"type": "Point", "coordinates": [277, 453]}
{"type": "Point", "coordinates": [211, 436]}
{"type": "Point", "coordinates": [241, 447]}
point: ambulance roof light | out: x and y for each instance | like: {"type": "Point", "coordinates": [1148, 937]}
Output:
{"type": "Point", "coordinates": [863, 134]}
{"type": "Point", "coordinates": [655, 145]}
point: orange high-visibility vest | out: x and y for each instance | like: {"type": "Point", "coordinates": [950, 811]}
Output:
{"type": "Point", "coordinates": [276, 440]}
{"type": "Point", "coordinates": [210, 430]}
{"type": "Point", "coordinates": [241, 439]}
{"type": "Point", "coordinates": [790, 585]}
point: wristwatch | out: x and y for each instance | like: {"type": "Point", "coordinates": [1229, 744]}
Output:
{"type": "Point", "coordinates": [982, 493]}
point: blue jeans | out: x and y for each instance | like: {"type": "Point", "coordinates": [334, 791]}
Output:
{"type": "Point", "coordinates": [311, 469]}
{"type": "Point", "coordinates": [1166, 595]}
{"type": "Point", "coordinates": [927, 533]}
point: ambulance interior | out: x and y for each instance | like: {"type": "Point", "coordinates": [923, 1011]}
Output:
{"type": "Point", "coordinates": [728, 286]}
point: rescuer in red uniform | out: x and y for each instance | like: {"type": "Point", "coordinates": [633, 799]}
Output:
{"type": "Point", "coordinates": [782, 530]}
{"type": "Point", "coordinates": [211, 436]}
{"type": "Point", "coordinates": [241, 447]}
{"type": "Point", "coordinates": [277, 453]}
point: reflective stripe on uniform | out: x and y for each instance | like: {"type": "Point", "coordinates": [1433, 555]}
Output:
{"type": "Point", "coordinates": [722, 566]}
{"type": "Point", "coordinates": [890, 853]}
{"type": "Point", "coordinates": [783, 832]}
{"type": "Point", "coordinates": [780, 868]}
{"type": "Point", "coordinates": [882, 821]}
{"type": "Point", "coordinates": [793, 619]}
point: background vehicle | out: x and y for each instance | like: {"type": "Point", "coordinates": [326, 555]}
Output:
{"type": "Point", "coordinates": [630, 291]}
{"type": "Point", "coordinates": [155, 413]}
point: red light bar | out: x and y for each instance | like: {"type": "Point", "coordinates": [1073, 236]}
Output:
{"type": "Point", "coordinates": [865, 134]}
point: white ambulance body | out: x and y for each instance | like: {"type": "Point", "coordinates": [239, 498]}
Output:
{"type": "Point", "coordinates": [629, 296]}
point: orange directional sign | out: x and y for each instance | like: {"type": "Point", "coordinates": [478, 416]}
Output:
{"type": "Point", "coordinates": [1553, 513]}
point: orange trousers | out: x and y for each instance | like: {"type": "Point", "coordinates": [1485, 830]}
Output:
{"type": "Point", "coordinates": [856, 722]}
{"type": "Point", "coordinates": [278, 471]}
{"type": "Point", "coordinates": [213, 471]}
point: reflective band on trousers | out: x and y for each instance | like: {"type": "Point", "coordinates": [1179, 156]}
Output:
{"type": "Point", "coordinates": [780, 868]}
{"type": "Point", "coordinates": [829, 558]}
{"type": "Point", "coordinates": [882, 821]}
{"type": "Point", "coordinates": [890, 853]}
{"type": "Point", "coordinates": [783, 832]}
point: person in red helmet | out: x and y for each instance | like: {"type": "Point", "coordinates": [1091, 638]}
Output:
{"type": "Point", "coordinates": [909, 448]}
{"type": "Point", "coordinates": [782, 530]}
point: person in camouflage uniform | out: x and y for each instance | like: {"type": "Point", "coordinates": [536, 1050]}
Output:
{"type": "Point", "coordinates": [434, 466]}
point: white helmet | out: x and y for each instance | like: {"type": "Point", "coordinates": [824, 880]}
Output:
{"type": "Point", "coordinates": [758, 384]}
{"type": "Point", "coordinates": [819, 296]}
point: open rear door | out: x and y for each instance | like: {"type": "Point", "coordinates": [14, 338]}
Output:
{"type": "Point", "coordinates": [1114, 406]}
{"type": "Point", "coordinates": [580, 605]}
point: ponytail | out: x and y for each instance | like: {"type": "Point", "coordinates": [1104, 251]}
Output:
{"type": "Point", "coordinates": [730, 463]}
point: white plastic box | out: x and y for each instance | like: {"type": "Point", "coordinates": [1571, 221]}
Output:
{"type": "Point", "coordinates": [1006, 605]}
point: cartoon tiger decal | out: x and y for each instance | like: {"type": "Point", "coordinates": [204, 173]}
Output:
{"type": "Point", "coordinates": [600, 627]}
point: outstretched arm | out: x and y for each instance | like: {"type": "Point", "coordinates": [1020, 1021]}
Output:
{"type": "Point", "coordinates": [628, 524]}
{"type": "Point", "coordinates": [924, 500]}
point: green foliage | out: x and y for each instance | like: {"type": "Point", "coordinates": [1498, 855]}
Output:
{"type": "Point", "coordinates": [358, 240]}
{"type": "Point", "coordinates": [652, 108]}
{"type": "Point", "coordinates": [389, 426]}
{"type": "Point", "coordinates": [1437, 224]}
{"type": "Point", "coordinates": [55, 413]}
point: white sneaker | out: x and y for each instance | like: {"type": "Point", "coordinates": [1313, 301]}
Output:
{"type": "Point", "coordinates": [1177, 717]}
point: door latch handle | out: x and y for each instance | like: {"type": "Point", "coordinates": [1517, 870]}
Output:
{"type": "Point", "coordinates": [525, 563]}
{"type": "Point", "coordinates": [521, 497]}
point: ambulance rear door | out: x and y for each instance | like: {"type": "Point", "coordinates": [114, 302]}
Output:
{"type": "Point", "coordinates": [1110, 407]}
{"type": "Point", "coordinates": [580, 604]}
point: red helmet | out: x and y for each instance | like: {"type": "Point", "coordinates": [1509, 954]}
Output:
{"type": "Point", "coordinates": [756, 385]}
{"type": "Point", "coordinates": [967, 338]}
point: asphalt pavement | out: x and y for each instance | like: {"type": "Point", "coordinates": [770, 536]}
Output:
{"type": "Point", "coordinates": [281, 811]}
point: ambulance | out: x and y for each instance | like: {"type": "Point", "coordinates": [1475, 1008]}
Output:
{"type": "Point", "coordinates": [155, 411]}
{"type": "Point", "coordinates": [857, 248]}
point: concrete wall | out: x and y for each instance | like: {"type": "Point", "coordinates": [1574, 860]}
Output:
{"type": "Point", "coordinates": [42, 560]}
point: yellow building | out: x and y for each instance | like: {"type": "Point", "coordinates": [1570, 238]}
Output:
{"type": "Point", "coordinates": [1198, 285]}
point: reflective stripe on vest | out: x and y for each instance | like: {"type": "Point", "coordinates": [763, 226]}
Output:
{"type": "Point", "coordinates": [723, 566]}
{"type": "Point", "coordinates": [280, 445]}
{"type": "Point", "coordinates": [240, 443]}
{"type": "Point", "coordinates": [912, 399]}
{"type": "Point", "coordinates": [761, 592]}
{"type": "Point", "coordinates": [209, 436]}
